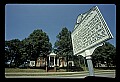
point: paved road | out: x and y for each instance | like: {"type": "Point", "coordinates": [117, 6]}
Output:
{"type": "Point", "coordinates": [110, 74]}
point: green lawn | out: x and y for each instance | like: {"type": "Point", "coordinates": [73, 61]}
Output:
{"type": "Point", "coordinates": [7, 70]}
{"type": "Point", "coordinates": [41, 72]}
{"type": "Point", "coordinates": [32, 71]}
{"type": "Point", "coordinates": [51, 74]}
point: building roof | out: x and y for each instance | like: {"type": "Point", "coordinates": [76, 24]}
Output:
{"type": "Point", "coordinates": [53, 54]}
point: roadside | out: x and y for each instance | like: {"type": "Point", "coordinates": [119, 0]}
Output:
{"type": "Point", "coordinates": [36, 72]}
{"type": "Point", "coordinates": [60, 75]}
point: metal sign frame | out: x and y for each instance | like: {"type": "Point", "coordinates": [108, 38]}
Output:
{"type": "Point", "coordinates": [92, 30]}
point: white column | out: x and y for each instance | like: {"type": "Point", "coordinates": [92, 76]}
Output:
{"type": "Point", "coordinates": [54, 60]}
{"type": "Point", "coordinates": [49, 60]}
{"type": "Point", "coordinates": [57, 62]}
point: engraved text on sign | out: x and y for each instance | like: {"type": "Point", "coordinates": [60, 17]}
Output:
{"type": "Point", "coordinates": [91, 31]}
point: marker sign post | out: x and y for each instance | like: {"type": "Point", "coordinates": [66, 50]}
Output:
{"type": "Point", "coordinates": [89, 32]}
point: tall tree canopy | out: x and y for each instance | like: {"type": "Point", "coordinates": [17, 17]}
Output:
{"type": "Point", "coordinates": [36, 44]}
{"type": "Point", "coordinates": [63, 45]}
{"type": "Point", "coordinates": [12, 51]}
{"type": "Point", "coordinates": [104, 55]}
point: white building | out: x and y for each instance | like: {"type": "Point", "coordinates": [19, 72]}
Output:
{"type": "Point", "coordinates": [52, 61]}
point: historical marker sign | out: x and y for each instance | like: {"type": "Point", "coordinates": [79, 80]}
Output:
{"type": "Point", "coordinates": [90, 30]}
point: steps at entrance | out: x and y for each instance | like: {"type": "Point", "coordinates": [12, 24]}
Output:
{"type": "Point", "coordinates": [51, 70]}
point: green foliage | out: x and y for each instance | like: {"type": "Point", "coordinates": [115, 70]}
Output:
{"type": "Point", "coordinates": [12, 51]}
{"type": "Point", "coordinates": [104, 55]}
{"type": "Point", "coordinates": [36, 44]}
{"type": "Point", "coordinates": [63, 45]}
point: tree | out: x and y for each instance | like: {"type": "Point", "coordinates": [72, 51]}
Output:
{"type": "Point", "coordinates": [109, 54]}
{"type": "Point", "coordinates": [63, 45]}
{"type": "Point", "coordinates": [7, 52]}
{"type": "Point", "coordinates": [37, 44]}
{"type": "Point", "coordinates": [104, 55]}
{"type": "Point", "coordinates": [12, 52]}
{"type": "Point", "coordinates": [30, 48]}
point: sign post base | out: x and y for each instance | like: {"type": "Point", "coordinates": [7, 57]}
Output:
{"type": "Point", "coordinates": [90, 66]}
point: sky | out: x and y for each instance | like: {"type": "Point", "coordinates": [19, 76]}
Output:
{"type": "Point", "coordinates": [22, 19]}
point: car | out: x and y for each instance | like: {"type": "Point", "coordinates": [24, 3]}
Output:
{"type": "Point", "coordinates": [25, 65]}
{"type": "Point", "coordinates": [21, 66]}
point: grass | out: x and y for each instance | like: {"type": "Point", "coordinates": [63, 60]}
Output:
{"type": "Point", "coordinates": [14, 70]}
{"type": "Point", "coordinates": [42, 72]}
{"type": "Point", "coordinates": [8, 70]}
{"type": "Point", "coordinates": [53, 74]}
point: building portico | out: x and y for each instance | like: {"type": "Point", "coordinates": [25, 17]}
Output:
{"type": "Point", "coordinates": [52, 59]}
